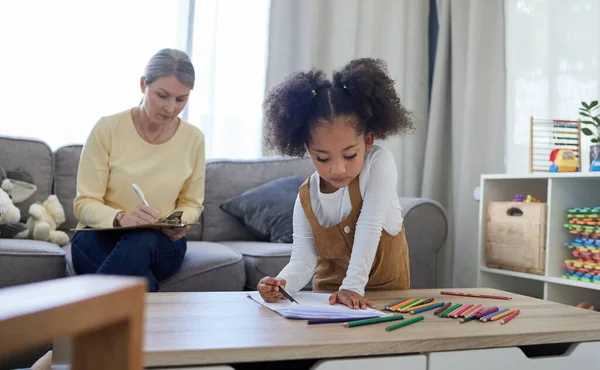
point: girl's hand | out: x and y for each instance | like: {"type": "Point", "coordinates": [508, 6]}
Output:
{"type": "Point", "coordinates": [268, 287]}
{"type": "Point", "coordinates": [140, 215]}
{"type": "Point", "coordinates": [176, 233]}
{"type": "Point", "coordinates": [350, 299]}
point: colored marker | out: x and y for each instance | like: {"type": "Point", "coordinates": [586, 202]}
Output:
{"type": "Point", "coordinates": [423, 309]}
{"type": "Point", "coordinates": [475, 311]}
{"type": "Point", "coordinates": [442, 309]}
{"type": "Point", "coordinates": [452, 313]}
{"type": "Point", "coordinates": [461, 310]}
{"type": "Point", "coordinates": [467, 312]}
{"type": "Point", "coordinates": [486, 312]}
{"type": "Point", "coordinates": [509, 317]}
{"type": "Point", "coordinates": [395, 302]}
{"type": "Point", "coordinates": [467, 319]}
{"type": "Point", "coordinates": [374, 321]}
{"type": "Point", "coordinates": [404, 323]}
{"type": "Point", "coordinates": [488, 317]}
{"type": "Point", "coordinates": [450, 309]}
{"type": "Point", "coordinates": [501, 315]}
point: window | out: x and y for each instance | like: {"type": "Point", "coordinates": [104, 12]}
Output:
{"type": "Point", "coordinates": [67, 63]}
{"type": "Point", "coordinates": [552, 65]}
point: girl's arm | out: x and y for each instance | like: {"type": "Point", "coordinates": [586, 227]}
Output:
{"type": "Point", "coordinates": [303, 262]}
{"type": "Point", "coordinates": [379, 193]}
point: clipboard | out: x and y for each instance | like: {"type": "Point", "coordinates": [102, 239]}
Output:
{"type": "Point", "coordinates": [172, 221]}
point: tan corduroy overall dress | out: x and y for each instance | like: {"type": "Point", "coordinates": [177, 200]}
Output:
{"type": "Point", "coordinates": [390, 268]}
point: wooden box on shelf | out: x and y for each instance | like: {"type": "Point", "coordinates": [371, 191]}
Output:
{"type": "Point", "coordinates": [516, 237]}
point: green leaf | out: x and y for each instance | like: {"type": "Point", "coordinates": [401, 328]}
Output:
{"type": "Point", "coordinates": [588, 122]}
{"type": "Point", "coordinates": [587, 131]}
{"type": "Point", "coordinates": [593, 104]}
{"type": "Point", "coordinates": [595, 140]}
{"type": "Point", "coordinates": [585, 114]}
{"type": "Point", "coordinates": [597, 120]}
{"type": "Point", "coordinates": [586, 106]}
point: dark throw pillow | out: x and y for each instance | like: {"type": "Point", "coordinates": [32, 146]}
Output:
{"type": "Point", "coordinates": [267, 210]}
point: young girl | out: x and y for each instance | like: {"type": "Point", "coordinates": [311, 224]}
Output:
{"type": "Point", "coordinates": [348, 229]}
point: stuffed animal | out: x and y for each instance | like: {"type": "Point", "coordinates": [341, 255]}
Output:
{"type": "Point", "coordinates": [19, 182]}
{"type": "Point", "coordinates": [20, 187]}
{"type": "Point", "coordinates": [10, 215]}
{"type": "Point", "coordinates": [43, 220]}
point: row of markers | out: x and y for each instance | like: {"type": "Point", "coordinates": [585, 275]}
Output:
{"type": "Point", "coordinates": [466, 312]}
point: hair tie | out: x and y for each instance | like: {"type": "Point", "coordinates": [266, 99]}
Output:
{"type": "Point", "coordinates": [314, 93]}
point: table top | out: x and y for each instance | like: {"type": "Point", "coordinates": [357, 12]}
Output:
{"type": "Point", "coordinates": [228, 327]}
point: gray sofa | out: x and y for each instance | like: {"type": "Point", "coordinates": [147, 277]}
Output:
{"type": "Point", "coordinates": [222, 254]}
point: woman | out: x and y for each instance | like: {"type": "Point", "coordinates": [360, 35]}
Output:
{"type": "Point", "coordinates": [148, 145]}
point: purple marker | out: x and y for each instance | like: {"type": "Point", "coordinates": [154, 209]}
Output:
{"type": "Point", "coordinates": [486, 312]}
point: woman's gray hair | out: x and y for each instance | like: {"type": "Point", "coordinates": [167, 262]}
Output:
{"type": "Point", "coordinates": [167, 62]}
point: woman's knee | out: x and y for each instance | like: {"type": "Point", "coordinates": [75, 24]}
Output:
{"type": "Point", "coordinates": [140, 240]}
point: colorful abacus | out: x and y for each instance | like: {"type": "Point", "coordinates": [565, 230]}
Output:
{"type": "Point", "coordinates": [584, 223]}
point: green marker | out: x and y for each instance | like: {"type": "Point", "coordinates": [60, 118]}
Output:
{"type": "Point", "coordinates": [452, 308]}
{"type": "Point", "coordinates": [375, 320]}
{"type": "Point", "coordinates": [467, 319]}
{"type": "Point", "coordinates": [404, 323]}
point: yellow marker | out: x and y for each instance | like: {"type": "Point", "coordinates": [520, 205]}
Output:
{"type": "Point", "coordinates": [422, 306]}
{"type": "Point", "coordinates": [503, 314]}
{"type": "Point", "coordinates": [412, 304]}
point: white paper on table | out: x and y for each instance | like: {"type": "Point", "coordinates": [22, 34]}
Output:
{"type": "Point", "coordinates": [314, 306]}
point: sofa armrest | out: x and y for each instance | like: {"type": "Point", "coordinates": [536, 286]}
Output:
{"type": "Point", "coordinates": [426, 227]}
{"type": "Point", "coordinates": [30, 261]}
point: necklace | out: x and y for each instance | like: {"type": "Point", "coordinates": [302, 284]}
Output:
{"type": "Point", "coordinates": [159, 138]}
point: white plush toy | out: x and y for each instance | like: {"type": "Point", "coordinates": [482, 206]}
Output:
{"type": "Point", "coordinates": [43, 220]}
{"type": "Point", "coordinates": [9, 213]}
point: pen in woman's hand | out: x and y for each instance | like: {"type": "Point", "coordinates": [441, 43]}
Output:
{"type": "Point", "coordinates": [140, 194]}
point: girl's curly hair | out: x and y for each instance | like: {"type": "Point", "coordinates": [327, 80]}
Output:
{"type": "Point", "coordinates": [362, 88]}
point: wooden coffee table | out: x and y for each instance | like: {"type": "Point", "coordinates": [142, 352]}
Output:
{"type": "Point", "coordinates": [216, 329]}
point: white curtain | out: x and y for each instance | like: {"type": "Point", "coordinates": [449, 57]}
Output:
{"type": "Point", "coordinates": [552, 65]}
{"type": "Point", "coordinates": [66, 63]}
{"type": "Point", "coordinates": [465, 135]}
{"type": "Point", "coordinates": [328, 34]}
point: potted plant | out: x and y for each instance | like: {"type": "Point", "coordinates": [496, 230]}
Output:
{"type": "Point", "coordinates": [592, 118]}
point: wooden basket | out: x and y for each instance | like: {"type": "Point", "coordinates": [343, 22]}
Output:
{"type": "Point", "coordinates": [516, 236]}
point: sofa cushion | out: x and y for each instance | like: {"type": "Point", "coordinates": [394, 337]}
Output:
{"type": "Point", "coordinates": [270, 258]}
{"type": "Point", "coordinates": [66, 162]}
{"type": "Point", "coordinates": [29, 261]}
{"type": "Point", "coordinates": [268, 209]}
{"type": "Point", "coordinates": [227, 179]}
{"type": "Point", "coordinates": [33, 156]}
{"type": "Point", "coordinates": [206, 267]}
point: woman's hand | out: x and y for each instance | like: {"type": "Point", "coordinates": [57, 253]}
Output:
{"type": "Point", "coordinates": [350, 299]}
{"type": "Point", "coordinates": [176, 233]}
{"type": "Point", "coordinates": [268, 287]}
{"type": "Point", "coordinates": [140, 215]}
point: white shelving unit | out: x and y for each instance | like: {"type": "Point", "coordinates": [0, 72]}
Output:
{"type": "Point", "coordinates": [561, 191]}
